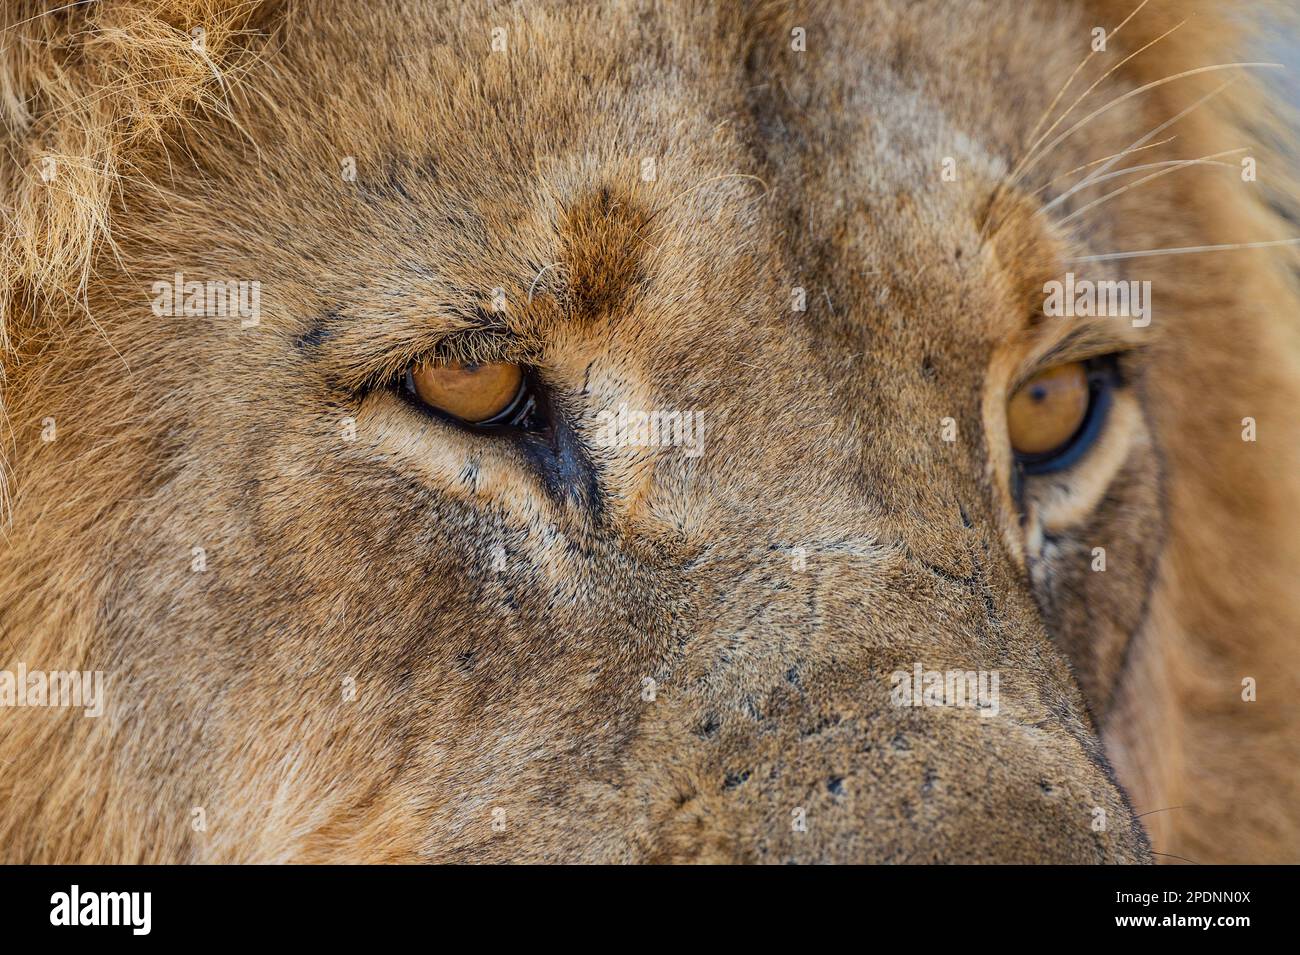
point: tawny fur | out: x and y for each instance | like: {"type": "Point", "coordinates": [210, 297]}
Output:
{"type": "Point", "coordinates": [502, 714]}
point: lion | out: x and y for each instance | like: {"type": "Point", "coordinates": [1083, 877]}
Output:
{"type": "Point", "coordinates": [633, 432]}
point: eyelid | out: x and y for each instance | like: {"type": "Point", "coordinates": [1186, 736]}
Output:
{"type": "Point", "coordinates": [471, 346]}
{"type": "Point", "coordinates": [1080, 344]}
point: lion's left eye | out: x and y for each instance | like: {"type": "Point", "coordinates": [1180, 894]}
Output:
{"type": "Point", "coordinates": [481, 395]}
{"type": "Point", "coordinates": [1054, 417]}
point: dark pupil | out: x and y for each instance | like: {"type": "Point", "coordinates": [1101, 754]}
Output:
{"type": "Point", "coordinates": [1038, 393]}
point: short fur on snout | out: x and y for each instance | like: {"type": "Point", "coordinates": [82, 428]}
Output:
{"type": "Point", "coordinates": [335, 628]}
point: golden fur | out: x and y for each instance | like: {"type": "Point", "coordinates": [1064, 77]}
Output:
{"type": "Point", "coordinates": [499, 610]}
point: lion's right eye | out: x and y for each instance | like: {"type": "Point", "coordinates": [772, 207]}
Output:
{"type": "Point", "coordinates": [481, 395]}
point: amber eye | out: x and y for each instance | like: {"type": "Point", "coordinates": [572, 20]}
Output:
{"type": "Point", "coordinates": [478, 394]}
{"type": "Point", "coordinates": [1047, 414]}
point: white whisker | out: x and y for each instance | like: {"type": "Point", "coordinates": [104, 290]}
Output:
{"type": "Point", "coordinates": [1137, 92]}
{"type": "Point", "coordinates": [1061, 92]}
{"type": "Point", "coordinates": [1084, 95]}
{"type": "Point", "coordinates": [1157, 165]}
{"type": "Point", "coordinates": [48, 13]}
{"type": "Point", "coordinates": [538, 277]}
{"type": "Point", "coordinates": [1189, 250]}
{"type": "Point", "coordinates": [1092, 177]}
{"type": "Point", "coordinates": [1169, 167]}
{"type": "Point", "coordinates": [1088, 165]}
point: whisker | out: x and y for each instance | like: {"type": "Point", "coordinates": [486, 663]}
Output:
{"type": "Point", "coordinates": [1061, 92]}
{"type": "Point", "coordinates": [1088, 165]}
{"type": "Point", "coordinates": [1156, 165]}
{"type": "Point", "coordinates": [538, 277]}
{"type": "Point", "coordinates": [1170, 167]}
{"type": "Point", "coordinates": [1156, 131]}
{"type": "Point", "coordinates": [1006, 182]}
{"type": "Point", "coordinates": [48, 13]}
{"type": "Point", "coordinates": [1170, 855]}
{"type": "Point", "coordinates": [1097, 82]}
{"type": "Point", "coordinates": [1048, 112]}
{"type": "Point", "coordinates": [1137, 92]}
{"type": "Point", "coordinates": [1151, 812]}
{"type": "Point", "coordinates": [1188, 250]}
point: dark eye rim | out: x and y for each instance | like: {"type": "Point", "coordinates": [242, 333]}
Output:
{"type": "Point", "coordinates": [536, 428]}
{"type": "Point", "coordinates": [1103, 377]}
{"type": "Point", "coordinates": [527, 414]}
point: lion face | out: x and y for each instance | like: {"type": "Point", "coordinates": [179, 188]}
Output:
{"type": "Point", "coordinates": [754, 564]}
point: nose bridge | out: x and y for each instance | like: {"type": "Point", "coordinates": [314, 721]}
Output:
{"type": "Point", "coordinates": [860, 595]}
{"type": "Point", "coordinates": [889, 449]}
{"type": "Point", "coordinates": [872, 584]}
{"type": "Point", "coordinates": [842, 529]}
{"type": "Point", "coordinates": [867, 681]}
{"type": "Point", "coordinates": [863, 512]}
{"type": "Point", "coordinates": [870, 716]}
